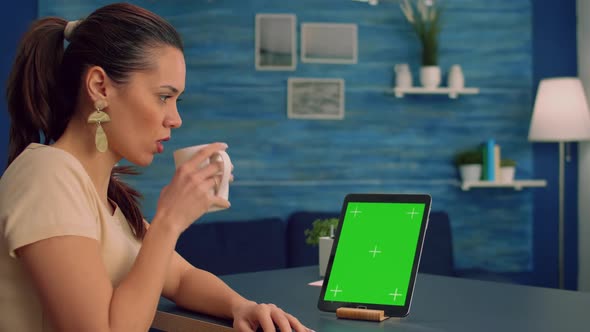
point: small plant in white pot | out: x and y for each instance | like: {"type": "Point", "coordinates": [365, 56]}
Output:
{"type": "Point", "coordinates": [424, 17]}
{"type": "Point", "coordinates": [507, 170]}
{"type": "Point", "coordinates": [469, 163]}
{"type": "Point", "coordinates": [321, 234]}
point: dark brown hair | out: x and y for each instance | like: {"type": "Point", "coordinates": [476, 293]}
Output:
{"type": "Point", "coordinates": [45, 81]}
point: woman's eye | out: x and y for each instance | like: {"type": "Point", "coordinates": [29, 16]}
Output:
{"type": "Point", "coordinates": [163, 98]}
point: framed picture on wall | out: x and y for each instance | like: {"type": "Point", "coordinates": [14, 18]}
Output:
{"type": "Point", "coordinates": [315, 98]}
{"type": "Point", "coordinates": [329, 43]}
{"type": "Point", "coordinates": [275, 42]}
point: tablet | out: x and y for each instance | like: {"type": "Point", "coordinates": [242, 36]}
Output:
{"type": "Point", "coordinates": [376, 253]}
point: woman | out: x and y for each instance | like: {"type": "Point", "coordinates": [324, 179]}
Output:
{"type": "Point", "coordinates": [78, 255]}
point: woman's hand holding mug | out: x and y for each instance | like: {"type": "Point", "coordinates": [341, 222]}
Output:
{"type": "Point", "coordinates": [200, 183]}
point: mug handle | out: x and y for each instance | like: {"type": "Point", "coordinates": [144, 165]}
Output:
{"type": "Point", "coordinates": [223, 189]}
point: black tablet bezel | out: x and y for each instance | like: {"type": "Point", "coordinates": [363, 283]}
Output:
{"type": "Point", "coordinates": [390, 310]}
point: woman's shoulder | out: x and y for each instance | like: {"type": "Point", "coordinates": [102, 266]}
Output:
{"type": "Point", "coordinates": [39, 163]}
{"type": "Point", "coordinates": [46, 192]}
{"type": "Point", "coordinates": [44, 158]}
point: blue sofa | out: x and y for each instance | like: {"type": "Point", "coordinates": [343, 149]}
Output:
{"type": "Point", "coordinates": [227, 247]}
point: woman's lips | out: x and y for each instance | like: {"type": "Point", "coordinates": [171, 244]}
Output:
{"type": "Point", "coordinates": [160, 145]}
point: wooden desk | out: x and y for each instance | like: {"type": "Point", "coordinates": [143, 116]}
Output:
{"type": "Point", "coordinates": [439, 304]}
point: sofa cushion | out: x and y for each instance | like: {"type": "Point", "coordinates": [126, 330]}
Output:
{"type": "Point", "coordinates": [437, 251]}
{"type": "Point", "coordinates": [227, 247]}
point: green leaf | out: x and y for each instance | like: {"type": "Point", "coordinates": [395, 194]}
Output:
{"type": "Point", "coordinates": [320, 227]}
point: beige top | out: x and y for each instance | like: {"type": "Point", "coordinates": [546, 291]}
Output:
{"type": "Point", "coordinates": [46, 193]}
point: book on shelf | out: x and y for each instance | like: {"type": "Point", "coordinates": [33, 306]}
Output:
{"type": "Point", "coordinates": [497, 159]}
{"type": "Point", "coordinates": [491, 160]}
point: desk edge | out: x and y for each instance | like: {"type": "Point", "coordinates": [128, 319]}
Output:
{"type": "Point", "coordinates": [176, 323]}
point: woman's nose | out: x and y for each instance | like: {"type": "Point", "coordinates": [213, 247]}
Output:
{"type": "Point", "coordinates": [173, 121]}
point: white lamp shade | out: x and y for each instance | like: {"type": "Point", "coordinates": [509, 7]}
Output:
{"type": "Point", "coordinates": [561, 112]}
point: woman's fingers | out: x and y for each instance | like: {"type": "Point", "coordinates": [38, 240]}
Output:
{"type": "Point", "coordinates": [196, 176]}
{"type": "Point", "coordinates": [243, 326]}
{"type": "Point", "coordinates": [205, 153]}
{"type": "Point", "coordinates": [215, 168]}
{"type": "Point", "coordinates": [280, 319]}
{"type": "Point", "coordinates": [263, 313]}
{"type": "Point", "coordinates": [220, 202]}
{"type": "Point", "coordinates": [296, 324]}
{"type": "Point", "coordinates": [211, 169]}
{"type": "Point", "coordinates": [267, 318]}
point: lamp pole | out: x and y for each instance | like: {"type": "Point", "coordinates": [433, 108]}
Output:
{"type": "Point", "coordinates": [560, 231]}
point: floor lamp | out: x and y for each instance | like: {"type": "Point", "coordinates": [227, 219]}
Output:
{"type": "Point", "coordinates": [560, 115]}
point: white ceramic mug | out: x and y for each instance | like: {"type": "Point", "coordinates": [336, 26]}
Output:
{"type": "Point", "coordinates": [222, 190]}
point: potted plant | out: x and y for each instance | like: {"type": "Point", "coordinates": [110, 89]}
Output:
{"type": "Point", "coordinates": [424, 16]}
{"type": "Point", "coordinates": [507, 170]}
{"type": "Point", "coordinates": [322, 234]}
{"type": "Point", "coordinates": [469, 163]}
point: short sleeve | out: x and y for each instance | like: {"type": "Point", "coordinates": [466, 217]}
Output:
{"type": "Point", "coordinates": [46, 193]}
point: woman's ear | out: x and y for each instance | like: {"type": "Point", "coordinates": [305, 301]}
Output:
{"type": "Point", "coordinates": [96, 83]}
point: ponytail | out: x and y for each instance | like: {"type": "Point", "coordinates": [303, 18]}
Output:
{"type": "Point", "coordinates": [32, 87]}
{"type": "Point", "coordinates": [127, 199]}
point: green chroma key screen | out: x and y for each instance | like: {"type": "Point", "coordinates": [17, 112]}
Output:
{"type": "Point", "coordinates": [375, 253]}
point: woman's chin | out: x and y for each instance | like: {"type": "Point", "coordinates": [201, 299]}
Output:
{"type": "Point", "coordinates": [142, 161]}
{"type": "Point", "coordinates": [146, 162]}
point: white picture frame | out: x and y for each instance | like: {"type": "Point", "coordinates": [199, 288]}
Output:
{"type": "Point", "coordinates": [335, 43]}
{"type": "Point", "coordinates": [315, 98]}
{"type": "Point", "coordinates": [275, 42]}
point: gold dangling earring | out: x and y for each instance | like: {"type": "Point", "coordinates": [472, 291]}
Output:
{"type": "Point", "coordinates": [98, 117]}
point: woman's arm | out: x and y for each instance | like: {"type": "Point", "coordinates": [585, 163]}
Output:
{"type": "Point", "coordinates": [73, 282]}
{"type": "Point", "coordinates": [76, 292]}
{"type": "Point", "coordinates": [201, 291]}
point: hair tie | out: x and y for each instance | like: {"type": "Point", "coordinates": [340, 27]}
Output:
{"type": "Point", "coordinates": [70, 27]}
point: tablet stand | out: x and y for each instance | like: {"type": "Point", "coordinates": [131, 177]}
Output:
{"type": "Point", "coordinates": [361, 314]}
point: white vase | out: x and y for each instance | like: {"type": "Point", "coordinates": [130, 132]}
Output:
{"type": "Point", "coordinates": [403, 76]}
{"type": "Point", "coordinates": [324, 250]}
{"type": "Point", "coordinates": [470, 172]}
{"type": "Point", "coordinates": [507, 173]}
{"type": "Point", "coordinates": [456, 80]}
{"type": "Point", "coordinates": [430, 76]}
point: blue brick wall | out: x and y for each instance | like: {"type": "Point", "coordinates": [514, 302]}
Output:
{"type": "Point", "coordinates": [384, 144]}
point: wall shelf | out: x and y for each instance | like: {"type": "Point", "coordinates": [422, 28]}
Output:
{"type": "Point", "coordinates": [517, 184]}
{"type": "Point", "coordinates": [453, 93]}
